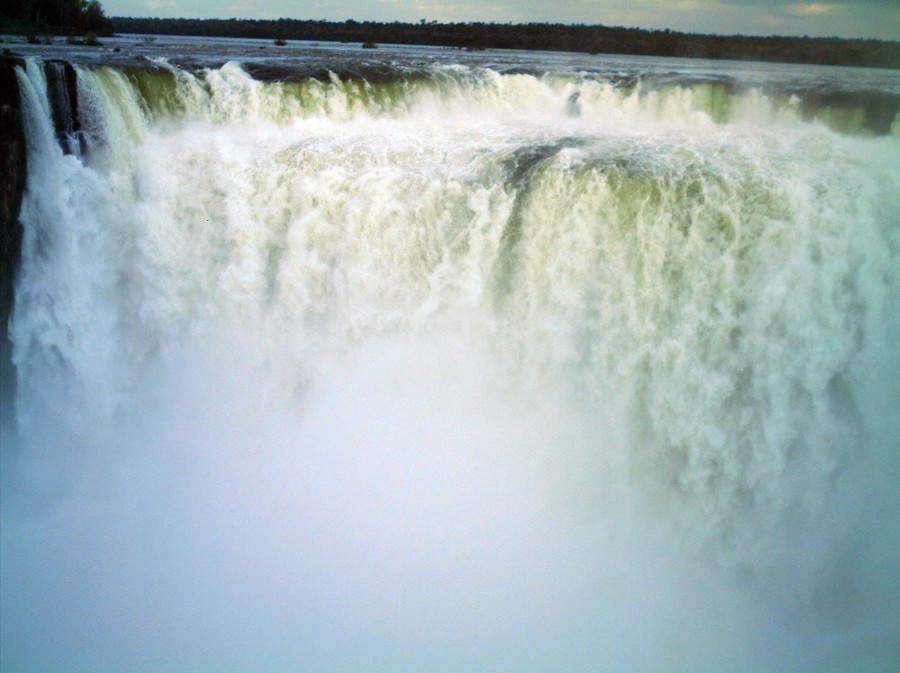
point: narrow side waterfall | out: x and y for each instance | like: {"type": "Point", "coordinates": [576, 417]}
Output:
{"type": "Point", "coordinates": [458, 370]}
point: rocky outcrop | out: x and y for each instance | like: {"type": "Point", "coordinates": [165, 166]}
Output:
{"type": "Point", "coordinates": [62, 85]}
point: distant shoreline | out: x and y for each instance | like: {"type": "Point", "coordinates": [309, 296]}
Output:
{"type": "Point", "coordinates": [593, 39]}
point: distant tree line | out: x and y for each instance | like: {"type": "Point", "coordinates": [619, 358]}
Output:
{"type": "Point", "coordinates": [539, 36]}
{"type": "Point", "coordinates": [54, 16]}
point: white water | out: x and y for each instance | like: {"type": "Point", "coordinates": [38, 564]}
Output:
{"type": "Point", "coordinates": [460, 381]}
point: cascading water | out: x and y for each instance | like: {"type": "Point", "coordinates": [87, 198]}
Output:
{"type": "Point", "coordinates": [460, 370]}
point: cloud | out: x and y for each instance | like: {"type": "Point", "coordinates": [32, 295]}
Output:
{"type": "Point", "coordinates": [844, 18]}
{"type": "Point", "coordinates": [814, 9]}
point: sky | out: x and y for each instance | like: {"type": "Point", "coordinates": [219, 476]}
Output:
{"type": "Point", "coordinates": [842, 18]}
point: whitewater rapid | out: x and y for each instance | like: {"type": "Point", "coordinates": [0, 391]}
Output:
{"type": "Point", "coordinates": [459, 370]}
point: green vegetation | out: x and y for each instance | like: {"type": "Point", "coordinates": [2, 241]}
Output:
{"type": "Point", "coordinates": [60, 17]}
{"type": "Point", "coordinates": [594, 39]}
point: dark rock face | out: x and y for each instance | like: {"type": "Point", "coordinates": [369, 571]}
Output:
{"type": "Point", "coordinates": [12, 186]}
{"type": "Point", "coordinates": [63, 95]}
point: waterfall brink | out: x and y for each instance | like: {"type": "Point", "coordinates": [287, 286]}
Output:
{"type": "Point", "coordinates": [454, 369]}
{"type": "Point", "coordinates": [230, 95]}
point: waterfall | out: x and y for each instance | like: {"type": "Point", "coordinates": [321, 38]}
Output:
{"type": "Point", "coordinates": [459, 370]}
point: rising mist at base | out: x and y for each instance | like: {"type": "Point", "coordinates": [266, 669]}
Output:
{"type": "Point", "coordinates": [461, 372]}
